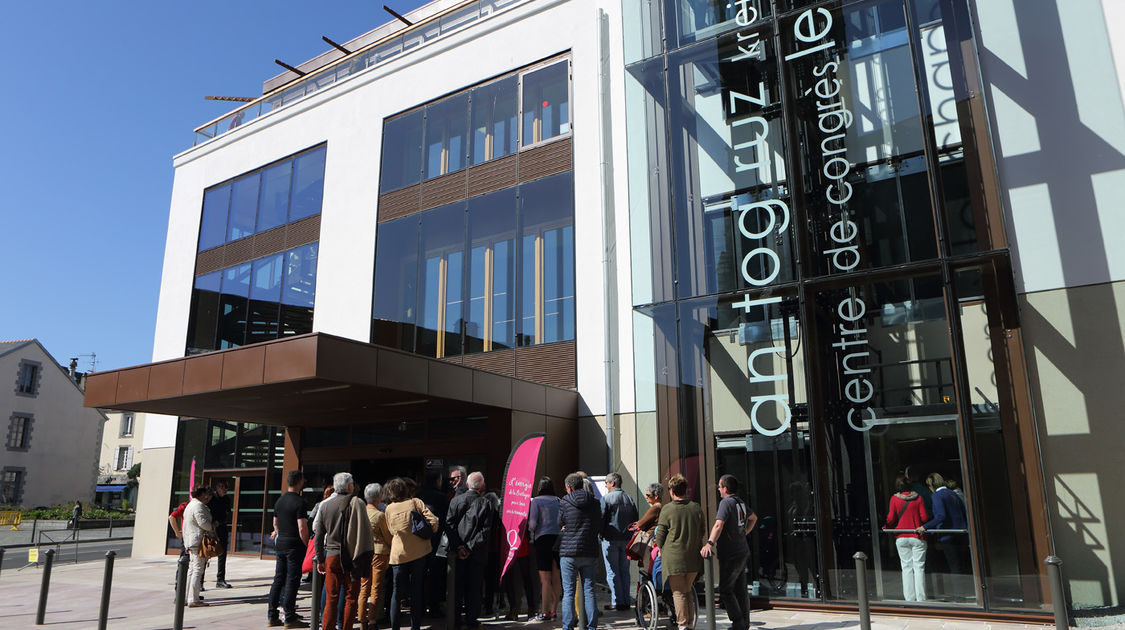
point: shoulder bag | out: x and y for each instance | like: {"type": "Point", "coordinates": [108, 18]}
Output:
{"type": "Point", "coordinates": [419, 526]}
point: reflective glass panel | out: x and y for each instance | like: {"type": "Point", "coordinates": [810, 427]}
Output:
{"type": "Point", "coordinates": [440, 318]}
{"type": "Point", "coordinates": [265, 296]}
{"type": "Point", "coordinates": [213, 226]}
{"type": "Point", "coordinates": [492, 231]}
{"type": "Point", "coordinates": [299, 290]}
{"type": "Point", "coordinates": [547, 260]}
{"type": "Point", "coordinates": [308, 184]}
{"type": "Point", "coordinates": [232, 306]}
{"type": "Point", "coordinates": [202, 327]}
{"type": "Point", "coordinates": [447, 135]}
{"type": "Point", "coordinates": [693, 20]}
{"type": "Point", "coordinates": [243, 206]}
{"type": "Point", "coordinates": [494, 120]}
{"type": "Point", "coordinates": [401, 164]}
{"type": "Point", "coordinates": [274, 206]}
{"type": "Point", "coordinates": [396, 283]}
{"type": "Point", "coordinates": [546, 103]}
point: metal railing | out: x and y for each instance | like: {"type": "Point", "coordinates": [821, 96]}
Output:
{"type": "Point", "coordinates": [375, 54]}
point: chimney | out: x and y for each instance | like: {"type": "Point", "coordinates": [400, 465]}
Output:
{"type": "Point", "coordinates": [73, 367]}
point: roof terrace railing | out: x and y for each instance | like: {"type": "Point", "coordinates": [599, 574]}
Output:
{"type": "Point", "coordinates": [375, 54]}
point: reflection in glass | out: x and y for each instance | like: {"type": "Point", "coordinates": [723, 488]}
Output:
{"type": "Point", "coordinates": [299, 290]}
{"type": "Point", "coordinates": [547, 260]}
{"type": "Point", "coordinates": [440, 317]}
{"type": "Point", "coordinates": [401, 164]}
{"type": "Point", "coordinates": [396, 283]}
{"type": "Point", "coordinates": [546, 103]}
{"type": "Point", "coordinates": [274, 205]}
{"type": "Point", "coordinates": [492, 230]}
{"type": "Point", "coordinates": [213, 226]}
{"type": "Point", "coordinates": [232, 306]}
{"type": "Point", "coordinates": [265, 294]}
{"type": "Point", "coordinates": [446, 131]}
{"type": "Point", "coordinates": [308, 184]}
{"type": "Point", "coordinates": [494, 120]}
{"type": "Point", "coordinates": [202, 327]}
{"type": "Point", "coordinates": [243, 207]}
{"type": "Point", "coordinates": [695, 20]}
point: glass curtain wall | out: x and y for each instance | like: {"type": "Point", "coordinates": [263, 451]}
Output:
{"type": "Point", "coordinates": [822, 292]}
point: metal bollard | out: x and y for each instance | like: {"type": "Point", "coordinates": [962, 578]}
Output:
{"type": "Point", "coordinates": [76, 532]}
{"type": "Point", "coordinates": [107, 584]}
{"type": "Point", "coordinates": [861, 589]}
{"type": "Point", "coordinates": [34, 525]}
{"type": "Point", "coordinates": [709, 590]}
{"type": "Point", "coordinates": [110, 527]}
{"type": "Point", "coordinates": [1, 557]}
{"type": "Point", "coordinates": [317, 582]}
{"type": "Point", "coordinates": [41, 612]}
{"type": "Point", "coordinates": [181, 592]}
{"type": "Point", "coordinates": [451, 590]}
{"type": "Point", "coordinates": [1058, 597]}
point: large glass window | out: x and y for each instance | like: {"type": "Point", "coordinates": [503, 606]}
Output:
{"type": "Point", "coordinates": [204, 319]}
{"type": "Point", "coordinates": [494, 120]}
{"type": "Point", "coordinates": [694, 20]}
{"type": "Point", "coordinates": [265, 295]}
{"type": "Point", "coordinates": [286, 191]}
{"type": "Point", "coordinates": [491, 299]}
{"type": "Point", "coordinates": [546, 103]}
{"type": "Point", "coordinates": [232, 306]}
{"type": "Point", "coordinates": [547, 260]}
{"type": "Point", "coordinates": [401, 164]}
{"type": "Point", "coordinates": [396, 284]}
{"type": "Point", "coordinates": [299, 290]}
{"type": "Point", "coordinates": [447, 124]}
{"type": "Point", "coordinates": [440, 316]}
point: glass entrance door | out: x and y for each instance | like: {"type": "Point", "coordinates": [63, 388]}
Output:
{"type": "Point", "coordinates": [249, 527]}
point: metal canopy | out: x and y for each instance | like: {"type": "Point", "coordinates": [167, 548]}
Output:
{"type": "Point", "coordinates": [319, 380]}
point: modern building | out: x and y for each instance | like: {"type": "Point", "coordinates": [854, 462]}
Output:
{"type": "Point", "coordinates": [122, 436]}
{"type": "Point", "coordinates": [819, 245]}
{"type": "Point", "coordinates": [46, 424]}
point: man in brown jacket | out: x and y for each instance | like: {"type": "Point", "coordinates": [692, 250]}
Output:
{"type": "Point", "coordinates": [344, 547]}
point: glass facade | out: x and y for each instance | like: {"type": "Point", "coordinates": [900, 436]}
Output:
{"type": "Point", "coordinates": [821, 292]}
{"type": "Point", "coordinates": [493, 272]}
{"type": "Point", "coordinates": [264, 299]}
{"type": "Point", "coordinates": [476, 125]}
{"type": "Point", "coordinates": [285, 191]}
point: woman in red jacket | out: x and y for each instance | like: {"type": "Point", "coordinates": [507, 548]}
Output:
{"type": "Point", "coordinates": [908, 512]}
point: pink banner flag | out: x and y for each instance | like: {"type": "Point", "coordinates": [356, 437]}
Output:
{"type": "Point", "coordinates": [191, 479]}
{"type": "Point", "coordinates": [519, 477]}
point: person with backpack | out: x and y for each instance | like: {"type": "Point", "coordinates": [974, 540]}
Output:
{"type": "Point", "coordinates": [580, 520]}
{"type": "Point", "coordinates": [908, 512]}
{"type": "Point", "coordinates": [469, 524]}
{"type": "Point", "coordinates": [619, 512]}
{"type": "Point", "coordinates": [733, 521]}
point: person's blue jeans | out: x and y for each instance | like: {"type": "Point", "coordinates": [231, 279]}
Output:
{"type": "Point", "coordinates": [572, 568]}
{"type": "Point", "coordinates": [617, 570]}
{"type": "Point", "coordinates": [286, 579]}
{"type": "Point", "coordinates": [409, 579]}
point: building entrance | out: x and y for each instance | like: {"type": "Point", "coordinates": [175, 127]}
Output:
{"type": "Point", "coordinates": [247, 490]}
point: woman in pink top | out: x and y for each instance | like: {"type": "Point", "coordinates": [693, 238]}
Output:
{"type": "Point", "coordinates": [908, 511]}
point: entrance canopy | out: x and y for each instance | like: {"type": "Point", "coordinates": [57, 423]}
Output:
{"type": "Point", "coordinates": [318, 380]}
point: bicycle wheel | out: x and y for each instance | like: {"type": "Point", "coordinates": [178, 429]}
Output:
{"type": "Point", "coordinates": [647, 607]}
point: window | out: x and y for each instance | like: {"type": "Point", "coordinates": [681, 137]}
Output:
{"type": "Point", "coordinates": [547, 260]}
{"type": "Point", "coordinates": [491, 298]}
{"type": "Point", "coordinates": [11, 485]}
{"type": "Point", "coordinates": [283, 192]}
{"type": "Point", "coordinates": [27, 382]}
{"type": "Point", "coordinates": [401, 164]}
{"type": "Point", "coordinates": [257, 301]}
{"type": "Point", "coordinates": [546, 103]}
{"type": "Point", "coordinates": [443, 257]}
{"type": "Point", "coordinates": [19, 432]}
{"type": "Point", "coordinates": [127, 420]}
{"type": "Point", "coordinates": [494, 120]}
{"type": "Point", "coordinates": [124, 458]}
{"type": "Point", "coordinates": [447, 124]}
{"type": "Point", "coordinates": [395, 309]}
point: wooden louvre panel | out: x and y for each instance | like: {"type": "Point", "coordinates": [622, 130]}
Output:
{"type": "Point", "coordinates": [457, 359]}
{"type": "Point", "coordinates": [498, 361]}
{"type": "Point", "coordinates": [493, 175]}
{"type": "Point", "coordinates": [442, 190]}
{"type": "Point", "coordinates": [550, 364]}
{"type": "Point", "coordinates": [238, 252]}
{"type": "Point", "coordinates": [209, 260]}
{"type": "Point", "coordinates": [269, 242]}
{"type": "Point", "coordinates": [399, 203]}
{"type": "Point", "coordinates": [551, 158]}
{"type": "Point", "coordinates": [302, 232]}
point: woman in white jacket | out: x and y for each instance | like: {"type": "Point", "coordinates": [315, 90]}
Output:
{"type": "Point", "coordinates": [197, 521]}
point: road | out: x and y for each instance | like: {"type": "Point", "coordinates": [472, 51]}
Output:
{"type": "Point", "coordinates": [16, 558]}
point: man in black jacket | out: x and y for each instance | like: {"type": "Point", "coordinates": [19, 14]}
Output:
{"type": "Point", "coordinates": [220, 517]}
{"type": "Point", "coordinates": [469, 523]}
{"type": "Point", "coordinates": [580, 517]}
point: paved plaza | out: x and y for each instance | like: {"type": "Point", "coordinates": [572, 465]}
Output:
{"type": "Point", "coordinates": [143, 600]}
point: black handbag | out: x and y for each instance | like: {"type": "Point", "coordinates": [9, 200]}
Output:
{"type": "Point", "coordinates": [419, 526]}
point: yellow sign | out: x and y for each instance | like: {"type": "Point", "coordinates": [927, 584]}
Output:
{"type": "Point", "coordinates": [11, 517]}
{"type": "Point", "coordinates": [33, 555]}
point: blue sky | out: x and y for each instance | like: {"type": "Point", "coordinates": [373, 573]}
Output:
{"type": "Point", "coordinates": [97, 97]}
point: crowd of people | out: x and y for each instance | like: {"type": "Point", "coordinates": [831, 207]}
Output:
{"type": "Point", "coordinates": [384, 550]}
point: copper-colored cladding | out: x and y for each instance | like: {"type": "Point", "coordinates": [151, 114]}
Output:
{"type": "Point", "coordinates": [550, 363]}
{"type": "Point", "coordinates": [442, 190]}
{"type": "Point", "coordinates": [549, 159]}
{"type": "Point", "coordinates": [319, 380]}
{"type": "Point", "coordinates": [499, 361]}
{"type": "Point", "coordinates": [493, 175]}
{"type": "Point", "coordinates": [400, 203]}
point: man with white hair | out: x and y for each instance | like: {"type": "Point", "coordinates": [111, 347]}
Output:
{"type": "Point", "coordinates": [344, 548]}
{"type": "Point", "coordinates": [469, 525]}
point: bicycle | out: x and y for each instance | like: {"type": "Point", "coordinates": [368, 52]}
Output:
{"type": "Point", "coordinates": [653, 603]}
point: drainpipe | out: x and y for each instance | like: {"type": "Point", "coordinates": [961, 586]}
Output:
{"type": "Point", "coordinates": [609, 243]}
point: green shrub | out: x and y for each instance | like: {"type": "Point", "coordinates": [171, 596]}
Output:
{"type": "Point", "coordinates": [63, 512]}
